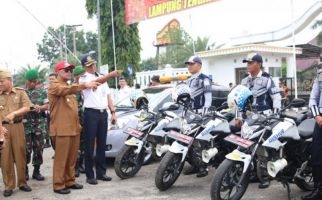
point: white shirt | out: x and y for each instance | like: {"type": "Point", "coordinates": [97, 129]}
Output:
{"type": "Point", "coordinates": [96, 99]}
{"type": "Point", "coordinates": [123, 96]}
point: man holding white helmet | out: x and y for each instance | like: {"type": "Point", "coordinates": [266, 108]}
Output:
{"type": "Point", "coordinates": [266, 95]}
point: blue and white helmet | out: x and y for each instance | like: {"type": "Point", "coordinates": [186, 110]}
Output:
{"type": "Point", "coordinates": [239, 97]}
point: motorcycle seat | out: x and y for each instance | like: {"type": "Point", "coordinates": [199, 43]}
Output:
{"type": "Point", "coordinates": [306, 128]}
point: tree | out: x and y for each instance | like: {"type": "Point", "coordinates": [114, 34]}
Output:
{"type": "Point", "coordinates": [127, 40]}
{"type": "Point", "coordinates": [318, 24]}
{"type": "Point", "coordinates": [148, 65]}
{"type": "Point", "coordinates": [50, 49]}
{"type": "Point", "coordinates": [181, 48]}
{"type": "Point", "coordinates": [19, 79]}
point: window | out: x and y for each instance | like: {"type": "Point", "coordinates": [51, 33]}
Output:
{"type": "Point", "coordinates": [275, 71]}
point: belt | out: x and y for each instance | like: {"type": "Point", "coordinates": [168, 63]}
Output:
{"type": "Point", "coordinates": [12, 122]}
{"type": "Point", "coordinates": [96, 110]}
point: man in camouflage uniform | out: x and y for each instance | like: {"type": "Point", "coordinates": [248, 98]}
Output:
{"type": "Point", "coordinates": [79, 71]}
{"type": "Point", "coordinates": [35, 124]}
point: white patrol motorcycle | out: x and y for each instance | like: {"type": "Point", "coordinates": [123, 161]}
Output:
{"type": "Point", "coordinates": [199, 140]}
{"type": "Point", "coordinates": [281, 148]}
{"type": "Point", "coordinates": [140, 143]}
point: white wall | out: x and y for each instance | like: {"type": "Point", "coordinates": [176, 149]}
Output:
{"type": "Point", "coordinates": [222, 68]}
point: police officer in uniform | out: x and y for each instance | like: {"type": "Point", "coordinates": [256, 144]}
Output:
{"type": "Point", "coordinates": [267, 98]}
{"type": "Point", "coordinates": [315, 105]}
{"type": "Point", "coordinates": [35, 124]}
{"type": "Point", "coordinates": [200, 86]}
{"type": "Point", "coordinates": [95, 120]}
{"type": "Point", "coordinates": [266, 94]}
{"type": "Point", "coordinates": [14, 103]}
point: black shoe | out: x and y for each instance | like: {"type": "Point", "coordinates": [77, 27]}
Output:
{"type": "Point", "coordinates": [104, 178]}
{"type": "Point", "coordinates": [316, 194]}
{"type": "Point", "coordinates": [25, 188]}
{"type": "Point", "coordinates": [91, 181]}
{"type": "Point", "coordinates": [264, 184]}
{"type": "Point", "coordinates": [202, 173]}
{"type": "Point", "coordinates": [7, 193]}
{"type": "Point", "coordinates": [76, 186]}
{"type": "Point", "coordinates": [38, 176]}
{"type": "Point", "coordinates": [62, 191]}
{"type": "Point", "coordinates": [76, 172]}
{"type": "Point", "coordinates": [190, 170]}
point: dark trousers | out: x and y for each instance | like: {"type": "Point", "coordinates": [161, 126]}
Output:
{"type": "Point", "coordinates": [317, 155]}
{"type": "Point", "coordinates": [95, 127]}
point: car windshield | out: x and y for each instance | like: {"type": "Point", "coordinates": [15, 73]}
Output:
{"type": "Point", "coordinates": [153, 95]}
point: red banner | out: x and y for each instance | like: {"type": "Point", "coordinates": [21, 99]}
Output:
{"type": "Point", "coordinates": [138, 10]}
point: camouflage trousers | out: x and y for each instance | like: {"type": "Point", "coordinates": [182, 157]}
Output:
{"type": "Point", "coordinates": [81, 150]}
{"type": "Point", "coordinates": [35, 145]}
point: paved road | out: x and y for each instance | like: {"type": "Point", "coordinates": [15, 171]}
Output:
{"type": "Point", "coordinates": [140, 187]}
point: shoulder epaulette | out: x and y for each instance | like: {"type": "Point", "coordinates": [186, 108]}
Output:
{"type": "Point", "coordinates": [19, 88]}
{"type": "Point", "coordinates": [265, 74]}
{"type": "Point", "coordinates": [203, 76]}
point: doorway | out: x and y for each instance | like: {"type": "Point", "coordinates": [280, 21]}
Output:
{"type": "Point", "coordinates": [240, 73]}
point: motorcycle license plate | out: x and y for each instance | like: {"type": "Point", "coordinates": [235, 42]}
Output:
{"type": "Point", "coordinates": [235, 139]}
{"type": "Point", "coordinates": [133, 132]}
{"type": "Point", "coordinates": [180, 137]}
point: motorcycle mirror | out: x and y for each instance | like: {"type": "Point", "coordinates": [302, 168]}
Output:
{"type": "Point", "coordinates": [170, 106]}
{"type": "Point", "coordinates": [297, 103]}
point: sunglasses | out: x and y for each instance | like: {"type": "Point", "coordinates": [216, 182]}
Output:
{"type": "Point", "coordinates": [67, 70]}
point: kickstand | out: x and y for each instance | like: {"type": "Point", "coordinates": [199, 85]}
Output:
{"type": "Point", "coordinates": [287, 185]}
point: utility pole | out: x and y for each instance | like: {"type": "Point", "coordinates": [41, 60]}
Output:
{"type": "Point", "coordinates": [99, 34]}
{"type": "Point", "coordinates": [73, 27]}
{"type": "Point", "coordinates": [113, 37]}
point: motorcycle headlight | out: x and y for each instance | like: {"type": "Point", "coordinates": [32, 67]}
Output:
{"type": "Point", "coordinates": [247, 131]}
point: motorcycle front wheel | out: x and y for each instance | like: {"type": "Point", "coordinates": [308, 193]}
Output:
{"type": "Point", "coordinates": [128, 162]}
{"type": "Point", "coordinates": [168, 171]}
{"type": "Point", "coordinates": [224, 185]}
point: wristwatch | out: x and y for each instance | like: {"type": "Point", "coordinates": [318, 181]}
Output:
{"type": "Point", "coordinates": [112, 111]}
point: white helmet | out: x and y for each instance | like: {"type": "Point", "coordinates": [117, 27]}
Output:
{"type": "Point", "coordinates": [139, 100]}
{"type": "Point", "coordinates": [181, 93]}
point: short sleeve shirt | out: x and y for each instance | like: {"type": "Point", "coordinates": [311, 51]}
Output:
{"type": "Point", "coordinates": [96, 99]}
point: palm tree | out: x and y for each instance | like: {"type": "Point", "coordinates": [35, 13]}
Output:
{"type": "Point", "coordinates": [19, 79]}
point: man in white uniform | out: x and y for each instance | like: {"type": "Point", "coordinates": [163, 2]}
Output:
{"type": "Point", "coordinates": [95, 120]}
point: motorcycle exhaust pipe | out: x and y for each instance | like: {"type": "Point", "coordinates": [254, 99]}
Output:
{"type": "Point", "coordinates": [274, 167]}
{"type": "Point", "coordinates": [208, 154]}
{"type": "Point", "coordinates": [161, 149]}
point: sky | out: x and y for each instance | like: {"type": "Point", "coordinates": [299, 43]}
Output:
{"type": "Point", "coordinates": [219, 21]}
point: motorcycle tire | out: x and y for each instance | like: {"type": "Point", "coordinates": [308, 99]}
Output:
{"type": "Point", "coordinates": [168, 171]}
{"type": "Point", "coordinates": [125, 165]}
{"type": "Point", "coordinates": [223, 175]}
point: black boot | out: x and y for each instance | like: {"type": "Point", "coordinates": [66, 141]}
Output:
{"type": "Point", "coordinates": [316, 194]}
{"type": "Point", "coordinates": [27, 173]}
{"type": "Point", "coordinates": [202, 171]}
{"type": "Point", "coordinates": [36, 174]}
{"type": "Point", "coordinates": [76, 170]}
{"type": "Point", "coordinates": [47, 144]}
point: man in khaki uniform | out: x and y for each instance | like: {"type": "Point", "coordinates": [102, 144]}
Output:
{"type": "Point", "coordinates": [65, 127]}
{"type": "Point", "coordinates": [14, 103]}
